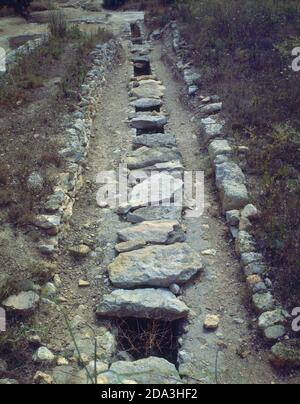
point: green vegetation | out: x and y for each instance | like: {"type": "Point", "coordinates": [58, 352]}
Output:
{"type": "Point", "coordinates": [244, 50]}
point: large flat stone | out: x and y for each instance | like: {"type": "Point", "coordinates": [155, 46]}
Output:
{"type": "Point", "coordinates": [155, 140]}
{"type": "Point", "coordinates": [155, 213]}
{"type": "Point", "coordinates": [211, 128]}
{"type": "Point", "coordinates": [148, 89]}
{"type": "Point", "coordinates": [146, 104]}
{"type": "Point", "coordinates": [159, 188]}
{"type": "Point", "coordinates": [155, 232]}
{"type": "Point", "coordinates": [156, 304]}
{"type": "Point", "coordinates": [233, 196]}
{"type": "Point", "coordinates": [146, 157]}
{"type": "Point", "coordinates": [147, 371]}
{"type": "Point", "coordinates": [152, 266]}
{"type": "Point", "coordinates": [144, 121]}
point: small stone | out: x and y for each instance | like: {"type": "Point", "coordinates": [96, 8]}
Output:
{"type": "Point", "coordinates": [83, 284]}
{"type": "Point", "coordinates": [35, 340]}
{"type": "Point", "coordinates": [211, 322]}
{"type": "Point", "coordinates": [270, 319]}
{"type": "Point", "coordinates": [3, 366]}
{"type": "Point", "coordinates": [57, 281]}
{"type": "Point", "coordinates": [43, 355]}
{"type": "Point", "coordinates": [49, 291]}
{"type": "Point", "coordinates": [175, 289]}
{"type": "Point", "coordinates": [233, 217]}
{"type": "Point", "coordinates": [80, 251]}
{"type": "Point", "coordinates": [263, 302]}
{"type": "Point", "coordinates": [43, 378]}
{"type": "Point", "coordinates": [274, 333]}
{"type": "Point", "coordinates": [132, 245]}
{"type": "Point", "coordinates": [210, 252]}
{"type": "Point", "coordinates": [62, 361]}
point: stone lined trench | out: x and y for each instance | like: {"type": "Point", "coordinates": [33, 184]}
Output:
{"type": "Point", "coordinates": [172, 298]}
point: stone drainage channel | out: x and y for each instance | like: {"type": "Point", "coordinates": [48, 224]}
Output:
{"type": "Point", "coordinates": [154, 261]}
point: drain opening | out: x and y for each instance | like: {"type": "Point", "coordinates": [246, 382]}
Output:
{"type": "Point", "coordinates": [136, 34]}
{"type": "Point", "coordinates": [156, 108]}
{"type": "Point", "coordinates": [141, 338]}
{"type": "Point", "coordinates": [142, 68]}
{"type": "Point", "coordinates": [135, 30]}
{"type": "Point", "coordinates": [140, 132]}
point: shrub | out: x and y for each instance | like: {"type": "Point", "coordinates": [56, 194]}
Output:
{"type": "Point", "coordinates": [57, 24]}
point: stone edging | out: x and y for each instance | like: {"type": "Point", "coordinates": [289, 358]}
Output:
{"type": "Point", "coordinates": [232, 186]}
{"type": "Point", "coordinates": [59, 206]}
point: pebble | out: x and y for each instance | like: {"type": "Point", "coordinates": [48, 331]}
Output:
{"type": "Point", "coordinates": [211, 322]}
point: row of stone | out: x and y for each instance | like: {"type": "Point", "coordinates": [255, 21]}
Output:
{"type": "Point", "coordinates": [231, 183]}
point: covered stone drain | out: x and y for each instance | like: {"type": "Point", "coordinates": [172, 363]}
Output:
{"type": "Point", "coordinates": [142, 338]}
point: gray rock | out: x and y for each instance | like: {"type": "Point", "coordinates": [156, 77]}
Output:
{"type": "Point", "coordinates": [158, 189]}
{"type": "Point", "coordinates": [152, 266]}
{"type": "Point", "coordinates": [286, 354]}
{"type": "Point", "coordinates": [233, 217]}
{"type": "Point", "coordinates": [148, 122]}
{"type": "Point", "coordinates": [250, 212]}
{"type": "Point", "coordinates": [35, 182]}
{"type": "Point", "coordinates": [43, 355]}
{"type": "Point", "coordinates": [175, 289]}
{"type": "Point", "coordinates": [250, 258]}
{"type": "Point", "coordinates": [255, 268]}
{"type": "Point", "coordinates": [49, 291]}
{"type": "Point", "coordinates": [274, 333]}
{"type": "Point", "coordinates": [8, 381]}
{"type": "Point", "coordinates": [69, 375]}
{"type": "Point", "coordinates": [56, 201]}
{"type": "Point", "coordinates": [3, 366]}
{"type": "Point", "coordinates": [155, 213]}
{"type": "Point", "coordinates": [148, 89]}
{"type": "Point", "coordinates": [157, 304]}
{"type": "Point", "coordinates": [191, 77]}
{"type": "Point", "coordinates": [144, 104]}
{"type": "Point", "coordinates": [151, 370]}
{"type": "Point", "coordinates": [146, 157]}
{"type": "Point", "coordinates": [128, 246]}
{"type": "Point", "coordinates": [155, 232]}
{"type": "Point", "coordinates": [228, 171]}
{"type": "Point", "coordinates": [47, 222]}
{"type": "Point", "coordinates": [271, 318]}
{"type": "Point", "coordinates": [23, 302]}
{"type": "Point", "coordinates": [211, 109]}
{"type": "Point", "coordinates": [233, 196]}
{"type": "Point", "coordinates": [211, 128]}
{"type": "Point", "coordinates": [218, 147]}
{"type": "Point", "coordinates": [263, 302]}
{"type": "Point", "coordinates": [155, 140]}
{"type": "Point", "coordinates": [245, 243]}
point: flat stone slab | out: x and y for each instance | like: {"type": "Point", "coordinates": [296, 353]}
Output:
{"type": "Point", "coordinates": [155, 140]}
{"type": "Point", "coordinates": [147, 121]}
{"type": "Point", "coordinates": [151, 370]}
{"type": "Point", "coordinates": [155, 213]}
{"type": "Point", "coordinates": [146, 157]}
{"type": "Point", "coordinates": [144, 104]}
{"type": "Point", "coordinates": [218, 147]}
{"type": "Point", "coordinates": [152, 266]}
{"type": "Point", "coordinates": [156, 304]}
{"type": "Point", "coordinates": [23, 302]}
{"type": "Point", "coordinates": [211, 128]}
{"type": "Point", "coordinates": [148, 89]}
{"type": "Point", "coordinates": [128, 246]}
{"type": "Point", "coordinates": [158, 189]}
{"type": "Point", "coordinates": [155, 232]}
{"type": "Point", "coordinates": [211, 109]}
